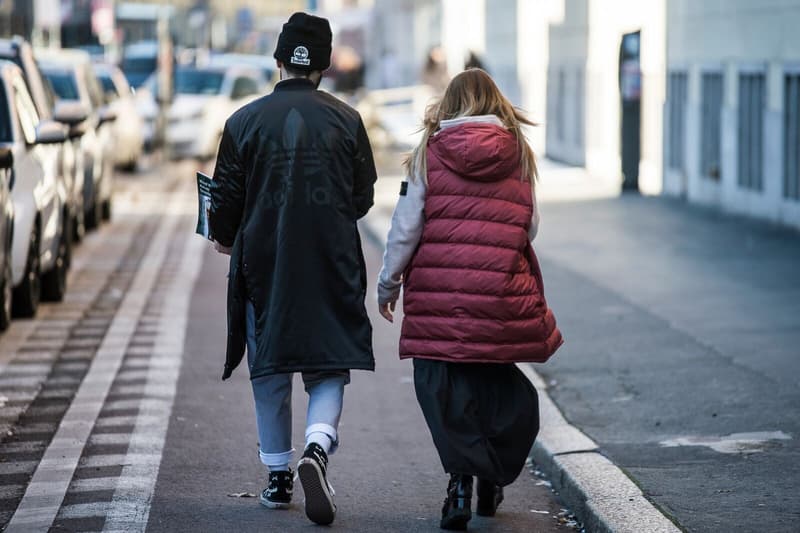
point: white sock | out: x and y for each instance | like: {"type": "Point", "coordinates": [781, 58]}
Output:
{"type": "Point", "coordinates": [320, 438]}
{"type": "Point", "coordinates": [279, 468]}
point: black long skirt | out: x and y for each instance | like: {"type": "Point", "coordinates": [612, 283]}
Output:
{"type": "Point", "coordinates": [483, 417]}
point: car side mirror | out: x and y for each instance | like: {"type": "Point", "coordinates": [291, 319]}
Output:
{"type": "Point", "coordinates": [70, 113]}
{"type": "Point", "coordinates": [50, 132]}
{"type": "Point", "coordinates": [6, 158]}
{"type": "Point", "coordinates": [106, 114]}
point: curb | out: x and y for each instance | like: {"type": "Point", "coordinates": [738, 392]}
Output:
{"type": "Point", "coordinates": [600, 494]}
{"type": "Point", "coordinates": [597, 491]}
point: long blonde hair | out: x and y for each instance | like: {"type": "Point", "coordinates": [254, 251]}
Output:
{"type": "Point", "coordinates": [470, 93]}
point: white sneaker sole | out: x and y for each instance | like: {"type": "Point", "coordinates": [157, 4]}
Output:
{"type": "Point", "coordinates": [320, 508]}
{"type": "Point", "coordinates": [273, 505]}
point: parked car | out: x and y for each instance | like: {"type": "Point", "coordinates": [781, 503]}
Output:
{"type": "Point", "coordinates": [262, 62]}
{"type": "Point", "coordinates": [79, 103]}
{"type": "Point", "coordinates": [139, 61]}
{"type": "Point", "coordinates": [147, 109]}
{"type": "Point", "coordinates": [6, 221]}
{"type": "Point", "coordinates": [203, 99]}
{"type": "Point", "coordinates": [19, 51]}
{"type": "Point", "coordinates": [128, 128]}
{"type": "Point", "coordinates": [41, 232]}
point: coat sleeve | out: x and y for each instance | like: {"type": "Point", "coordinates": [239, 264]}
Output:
{"type": "Point", "coordinates": [404, 236]}
{"type": "Point", "coordinates": [227, 191]}
{"type": "Point", "coordinates": [365, 173]}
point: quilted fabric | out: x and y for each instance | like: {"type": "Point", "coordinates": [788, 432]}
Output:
{"type": "Point", "coordinates": [473, 291]}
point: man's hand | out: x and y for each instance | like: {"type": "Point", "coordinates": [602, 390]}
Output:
{"type": "Point", "coordinates": [386, 310]}
{"type": "Point", "coordinates": [222, 249]}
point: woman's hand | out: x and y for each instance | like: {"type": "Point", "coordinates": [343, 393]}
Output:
{"type": "Point", "coordinates": [386, 310]}
{"type": "Point", "coordinates": [222, 249]}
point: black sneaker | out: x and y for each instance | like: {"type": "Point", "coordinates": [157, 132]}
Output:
{"type": "Point", "coordinates": [457, 506]}
{"type": "Point", "coordinates": [489, 497]}
{"type": "Point", "coordinates": [278, 494]}
{"type": "Point", "coordinates": [312, 470]}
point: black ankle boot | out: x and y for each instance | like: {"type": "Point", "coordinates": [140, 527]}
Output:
{"type": "Point", "coordinates": [489, 497]}
{"type": "Point", "coordinates": [457, 506]}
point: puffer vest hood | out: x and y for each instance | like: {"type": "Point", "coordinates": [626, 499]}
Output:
{"type": "Point", "coordinates": [473, 291]}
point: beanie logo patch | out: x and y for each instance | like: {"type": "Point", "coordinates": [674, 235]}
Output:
{"type": "Point", "coordinates": [300, 56]}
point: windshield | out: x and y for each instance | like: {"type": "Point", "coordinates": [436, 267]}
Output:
{"type": "Point", "coordinates": [5, 119]}
{"type": "Point", "coordinates": [190, 81]}
{"type": "Point", "coordinates": [138, 69]}
{"type": "Point", "coordinates": [64, 85]}
{"type": "Point", "coordinates": [108, 84]}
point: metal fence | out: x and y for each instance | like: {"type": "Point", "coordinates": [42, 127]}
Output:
{"type": "Point", "coordinates": [752, 99]}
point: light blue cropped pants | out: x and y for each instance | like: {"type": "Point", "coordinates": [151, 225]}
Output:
{"type": "Point", "coordinates": [273, 399]}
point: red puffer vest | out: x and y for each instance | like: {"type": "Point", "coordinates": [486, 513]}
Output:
{"type": "Point", "coordinates": [473, 291]}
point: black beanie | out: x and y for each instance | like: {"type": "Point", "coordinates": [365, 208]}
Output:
{"type": "Point", "coordinates": [305, 43]}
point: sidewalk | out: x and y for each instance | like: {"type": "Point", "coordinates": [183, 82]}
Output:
{"type": "Point", "coordinates": [386, 474]}
{"type": "Point", "coordinates": [682, 327]}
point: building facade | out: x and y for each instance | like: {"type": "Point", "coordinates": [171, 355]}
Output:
{"type": "Point", "coordinates": [732, 112]}
{"type": "Point", "coordinates": [605, 89]}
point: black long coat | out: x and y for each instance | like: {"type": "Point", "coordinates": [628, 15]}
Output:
{"type": "Point", "coordinates": [294, 173]}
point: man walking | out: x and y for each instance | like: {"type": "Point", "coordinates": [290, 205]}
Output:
{"type": "Point", "coordinates": [294, 173]}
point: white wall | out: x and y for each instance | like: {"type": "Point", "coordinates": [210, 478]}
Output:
{"type": "Point", "coordinates": [406, 30]}
{"type": "Point", "coordinates": [735, 36]}
{"type": "Point", "coordinates": [463, 30]}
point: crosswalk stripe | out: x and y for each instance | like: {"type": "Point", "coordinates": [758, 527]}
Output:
{"type": "Point", "coordinates": [45, 493]}
{"type": "Point", "coordinates": [150, 431]}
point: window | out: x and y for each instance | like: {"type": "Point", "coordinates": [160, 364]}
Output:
{"type": "Point", "coordinates": [676, 109]}
{"type": "Point", "coordinates": [192, 81]}
{"type": "Point", "coordinates": [791, 137]}
{"type": "Point", "coordinates": [751, 130]}
{"type": "Point", "coordinates": [109, 89]}
{"type": "Point", "coordinates": [63, 84]}
{"type": "Point", "coordinates": [711, 126]}
{"type": "Point", "coordinates": [244, 86]}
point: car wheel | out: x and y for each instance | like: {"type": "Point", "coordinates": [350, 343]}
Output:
{"type": "Point", "coordinates": [26, 296]}
{"type": "Point", "coordinates": [105, 209]}
{"type": "Point", "coordinates": [6, 295]}
{"type": "Point", "coordinates": [78, 226]}
{"type": "Point", "coordinates": [54, 282]}
{"type": "Point", "coordinates": [92, 217]}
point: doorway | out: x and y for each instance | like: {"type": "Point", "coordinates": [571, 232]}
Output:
{"type": "Point", "coordinates": [630, 89]}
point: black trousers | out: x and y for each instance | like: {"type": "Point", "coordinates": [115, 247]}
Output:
{"type": "Point", "coordinates": [483, 417]}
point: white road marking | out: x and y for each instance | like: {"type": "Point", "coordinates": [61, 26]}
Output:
{"type": "Point", "coordinates": [130, 507]}
{"type": "Point", "coordinates": [50, 481]}
{"type": "Point", "coordinates": [745, 443]}
{"type": "Point", "coordinates": [94, 461]}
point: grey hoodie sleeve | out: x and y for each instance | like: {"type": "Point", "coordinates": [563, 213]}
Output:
{"type": "Point", "coordinates": [534, 229]}
{"type": "Point", "coordinates": [404, 236]}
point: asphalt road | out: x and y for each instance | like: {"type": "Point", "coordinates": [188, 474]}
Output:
{"type": "Point", "coordinates": [114, 417]}
{"type": "Point", "coordinates": [681, 361]}
{"type": "Point", "coordinates": [683, 354]}
{"type": "Point", "coordinates": [386, 473]}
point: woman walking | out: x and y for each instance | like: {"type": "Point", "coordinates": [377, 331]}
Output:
{"type": "Point", "coordinates": [460, 246]}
